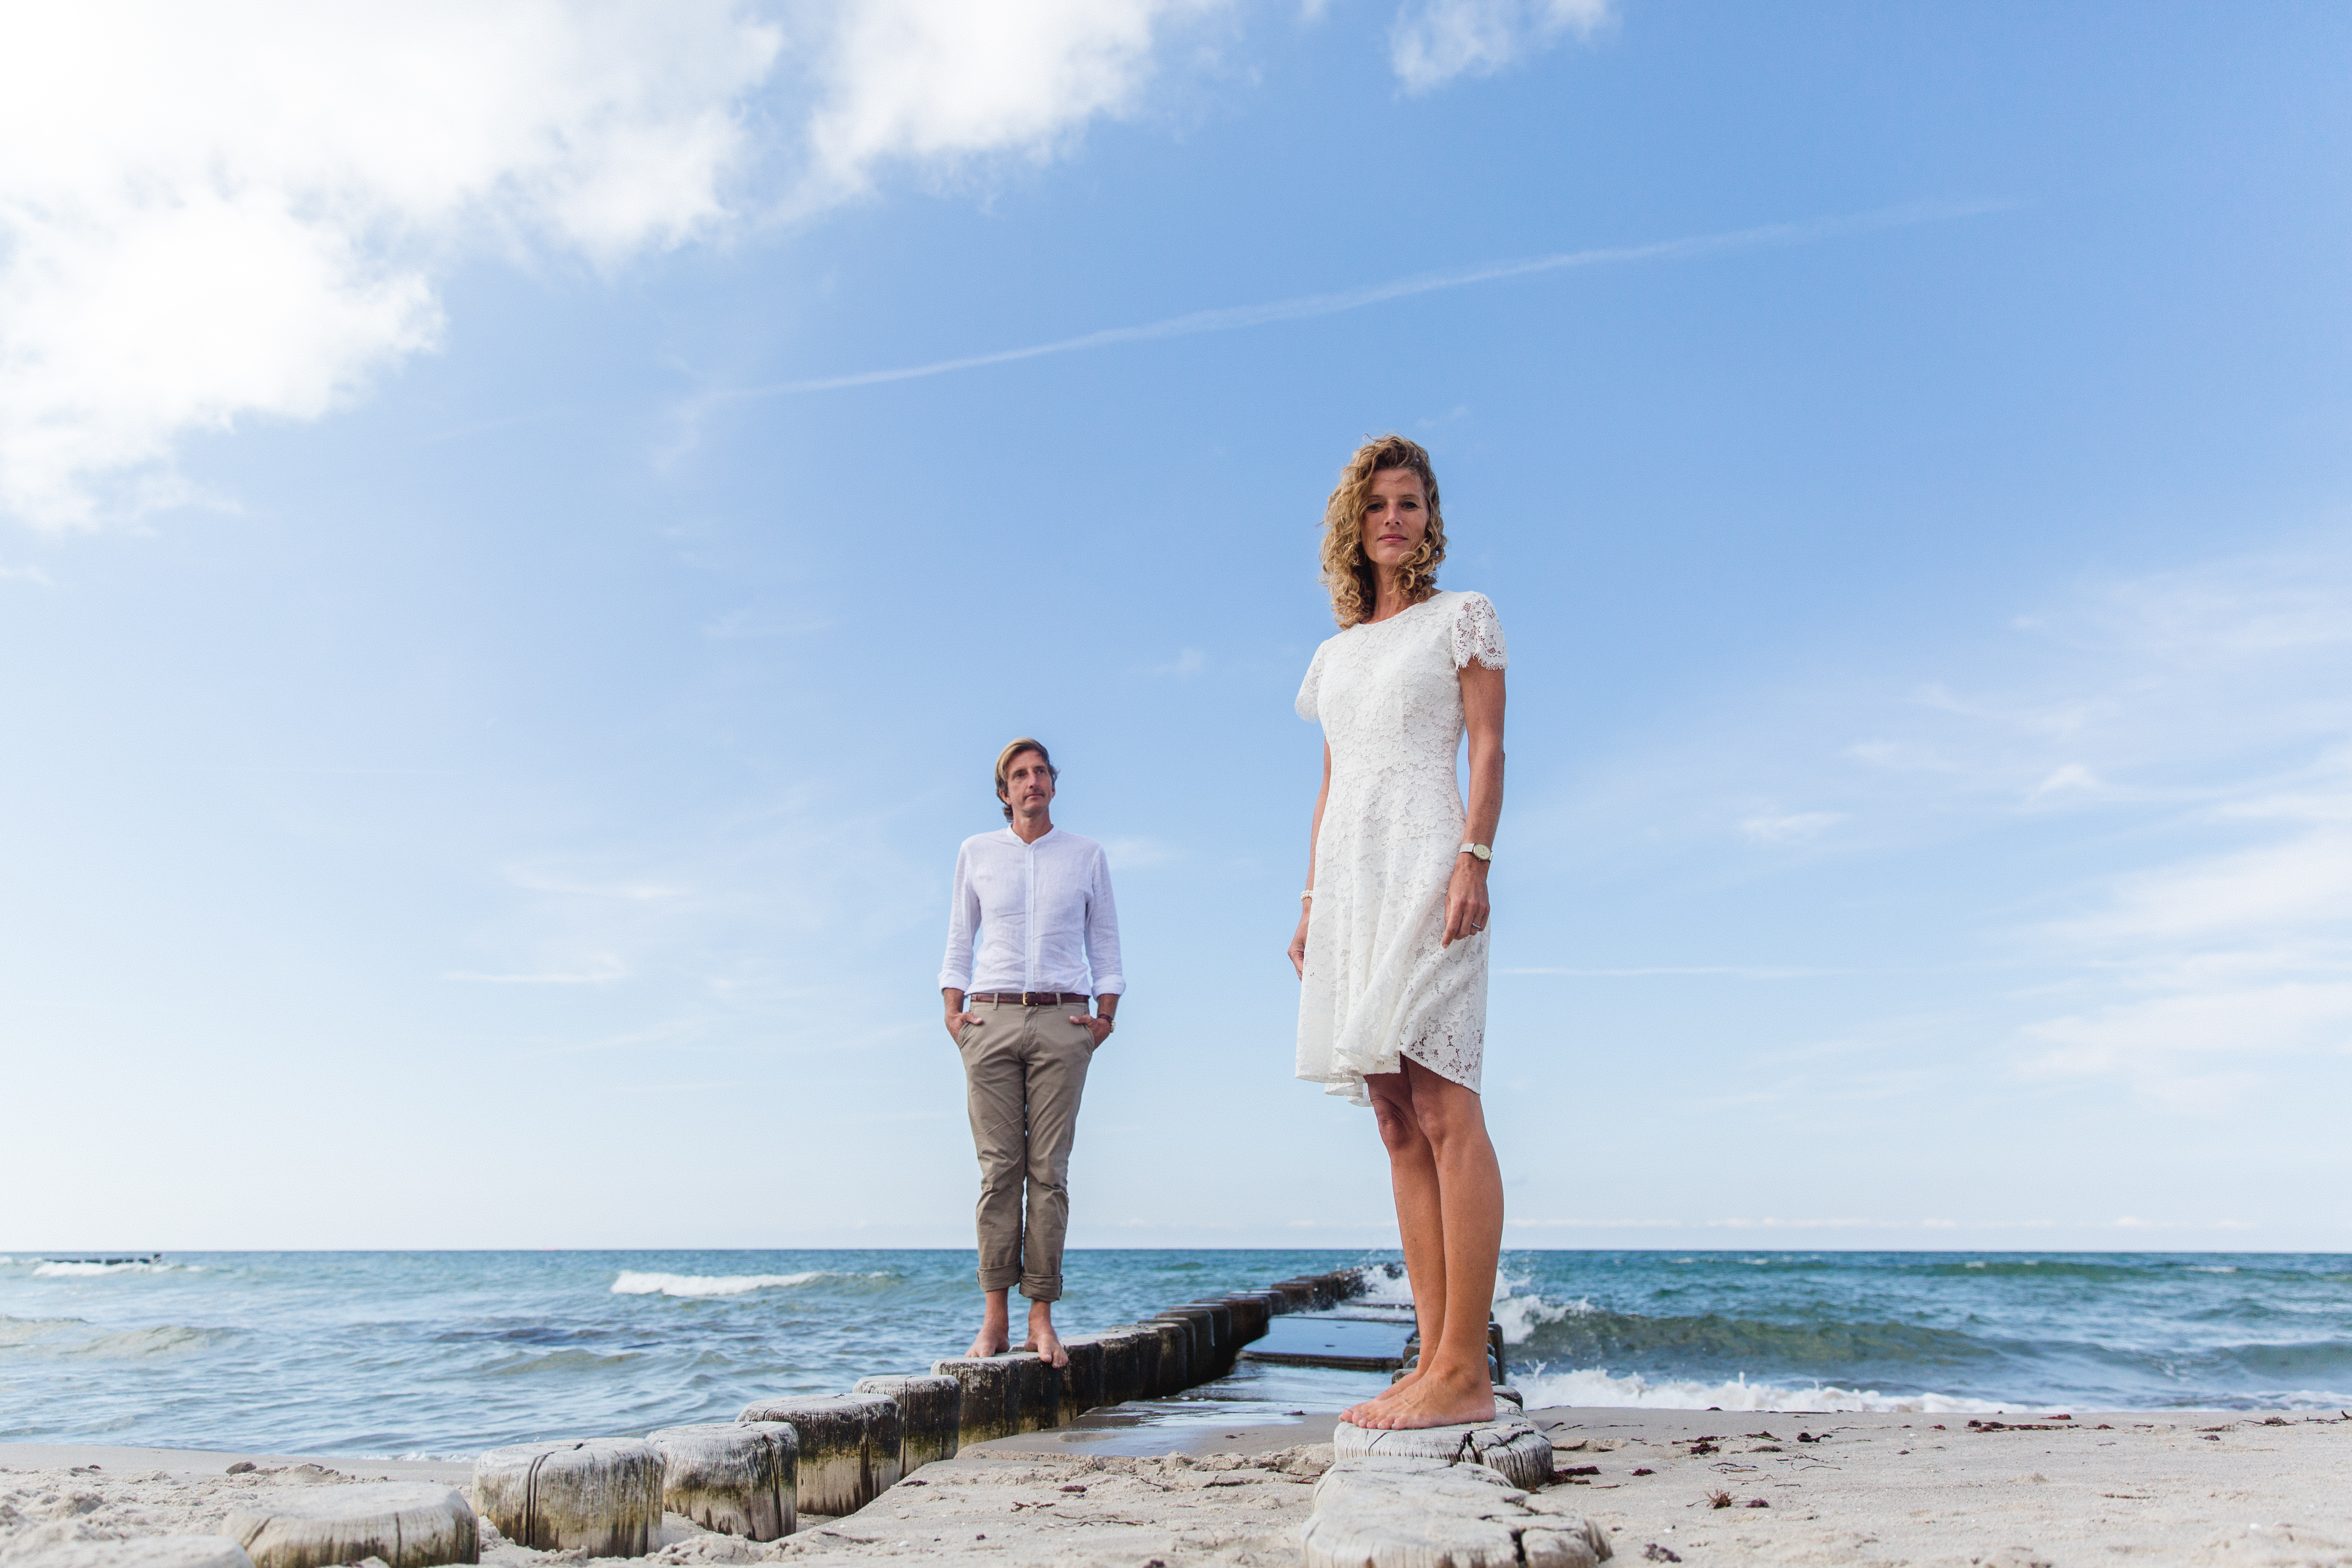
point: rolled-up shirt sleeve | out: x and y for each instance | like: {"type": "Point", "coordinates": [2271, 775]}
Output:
{"type": "Point", "coordinates": [1102, 934]}
{"type": "Point", "coordinates": [963, 923]}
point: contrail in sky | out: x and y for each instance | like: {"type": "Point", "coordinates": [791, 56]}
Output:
{"type": "Point", "coordinates": [1237, 317]}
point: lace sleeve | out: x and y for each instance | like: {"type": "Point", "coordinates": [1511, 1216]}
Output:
{"type": "Point", "coordinates": [1310, 688]}
{"type": "Point", "coordinates": [1477, 634]}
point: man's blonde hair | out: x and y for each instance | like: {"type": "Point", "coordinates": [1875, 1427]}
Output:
{"type": "Point", "coordinates": [1348, 572]}
{"type": "Point", "coordinates": [1005, 762]}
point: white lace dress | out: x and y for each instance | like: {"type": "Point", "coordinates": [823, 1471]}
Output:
{"type": "Point", "coordinates": [1378, 985]}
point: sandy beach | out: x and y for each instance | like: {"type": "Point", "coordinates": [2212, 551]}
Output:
{"type": "Point", "coordinates": [1865, 1489]}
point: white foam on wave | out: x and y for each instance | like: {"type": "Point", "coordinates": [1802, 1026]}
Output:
{"type": "Point", "coordinates": [1385, 1284]}
{"type": "Point", "coordinates": [69, 1270]}
{"type": "Point", "coordinates": [1521, 1316]}
{"type": "Point", "coordinates": [1597, 1386]}
{"type": "Point", "coordinates": [633, 1283]}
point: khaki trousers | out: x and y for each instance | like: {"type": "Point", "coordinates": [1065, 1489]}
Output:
{"type": "Point", "coordinates": [1025, 1069]}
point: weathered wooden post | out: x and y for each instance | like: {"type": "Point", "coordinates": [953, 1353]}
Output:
{"type": "Point", "coordinates": [602, 1496]}
{"type": "Point", "coordinates": [1082, 1380]}
{"type": "Point", "coordinates": [931, 1417]}
{"type": "Point", "coordinates": [988, 1410]}
{"type": "Point", "coordinates": [1510, 1445]}
{"type": "Point", "coordinates": [1196, 1347]}
{"type": "Point", "coordinates": [1320, 1291]}
{"type": "Point", "coordinates": [1252, 1312]}
{"type": "Point", "coordinates": [1121, 1371]}
{"type": "Point", "coordinates": [848, 1447]}
{"type": "Point", "coordinates": [738, 1478]}
{"type": "Point", "coordinates": [1175, 1356]}
{"type": "Point", "coordinates": [1207, 1359]}
{"type": "Point", "coordinates": [1037, 1391]}
{"type": "Point", "coordinates": [1220, 1326]}
{"type": "Point", "coordinates": [407, 1524]}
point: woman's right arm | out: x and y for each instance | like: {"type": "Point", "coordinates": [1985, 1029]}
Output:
{"type": "Point", "coordinates": [1314, 837]}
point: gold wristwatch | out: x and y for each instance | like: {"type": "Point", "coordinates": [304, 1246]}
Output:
{"type": "Point", "coordinates": [1484, 852]}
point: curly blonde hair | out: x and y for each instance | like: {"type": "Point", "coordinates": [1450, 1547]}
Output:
{"type": "Point", "coordinates": [1348, 572]}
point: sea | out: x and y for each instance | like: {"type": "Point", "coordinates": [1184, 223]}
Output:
{"type": "Point", "coordinates": [441, 1355]}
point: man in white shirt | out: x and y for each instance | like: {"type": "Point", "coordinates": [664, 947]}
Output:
{"type": "Point", "coordinates": [1038, 901]}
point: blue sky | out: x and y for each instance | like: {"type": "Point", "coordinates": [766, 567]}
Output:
{"type": "Point", "coordinates": [491, 684]}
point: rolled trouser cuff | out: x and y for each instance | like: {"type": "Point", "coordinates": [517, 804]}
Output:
{"type": "Point", "coordinates": [1043, 1290]}
{"type": "Point", "coordinates": [1001, 1280]}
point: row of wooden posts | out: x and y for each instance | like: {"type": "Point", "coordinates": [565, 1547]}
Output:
{"type": "Point", "coordinates": [832, 1454]}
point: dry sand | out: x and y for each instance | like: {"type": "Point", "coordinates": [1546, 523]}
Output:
{"type": "Point", "coordinates": [2229, 1489]}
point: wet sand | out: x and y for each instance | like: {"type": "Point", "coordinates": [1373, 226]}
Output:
{"type": "Point", "coordinates": [2221, 1488]}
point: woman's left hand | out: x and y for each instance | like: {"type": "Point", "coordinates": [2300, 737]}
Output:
{"type": "Point", "coordinates": [1466, 909]}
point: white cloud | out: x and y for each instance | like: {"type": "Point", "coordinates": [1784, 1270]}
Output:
{"type": "Point", "coordinates": [1789, 827]}
{"type": "Point", "coordinates": [1136, 853]}
{"type": "Point", "coordinates": [2065, 778]}
{"type": "Point", "coordinates": [214, 214]}
{"type": "Point", "coordinates": [2227, 697]}
{"type": "Point", "coordinates": [2188, 1050]}
{"type": "Point", "coordinates": [2182, 932]}
{"type": "Point", "coordinates": [931, 80]}
{"type": "Point", "coordinates": [2301, 882]}
{"type": "Point", "coordinates": [1433, 41]}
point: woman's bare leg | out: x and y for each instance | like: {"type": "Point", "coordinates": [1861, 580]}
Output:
{"type": "Point", "coordinates": [1420, 1222]}
{"type": "Point", "coordinates": [1453, 1387]}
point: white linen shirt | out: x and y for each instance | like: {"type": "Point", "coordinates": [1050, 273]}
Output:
{"type": "Point", "coordinates": [1042, 913]}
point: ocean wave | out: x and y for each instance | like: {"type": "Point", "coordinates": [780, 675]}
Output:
{"type": "Point", "coordinates": [16, 1332]}
{"type": "Point", "coordinates": [1589, 1336]}
{"type": "Point", "coordinates": [698, 1285]}
{"type": "Point", "coordinates": [558, 1364]}
{"type": "Point", "coordinates": [65, 1269]}
{"type": "Point", "coordinates": [57, 1338]}
{"type": "Point", "coordinates": [1521, 1316]}
{"type": "Point", "coordinates": [1597, 1386]}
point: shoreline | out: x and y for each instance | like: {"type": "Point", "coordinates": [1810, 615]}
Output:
{"type": "Point", "coordinates": [2235, 1487]}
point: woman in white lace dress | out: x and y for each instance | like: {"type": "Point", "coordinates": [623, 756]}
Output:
{"type": "Point", "coordinates": [1391, 943]}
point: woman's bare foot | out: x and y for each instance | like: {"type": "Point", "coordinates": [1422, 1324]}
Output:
{"type": "Point", "coordinates": [1042, 1337]}
{"type": "Point", "coordinates": [1439, 1399]}
{"type": "Point", "coordinates": [1394, 1390]}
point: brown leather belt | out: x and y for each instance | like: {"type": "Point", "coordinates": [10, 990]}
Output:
{"type": "Point", "coordinates": [1031, 998]}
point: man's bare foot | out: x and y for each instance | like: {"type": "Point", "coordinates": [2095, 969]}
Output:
{"type": "Point", "coordinates": [1437, 1400]}
{"type": "Point", "coordinates": [992, 1340]}
{"type": "Point", "coordinates": [1042, 1337]}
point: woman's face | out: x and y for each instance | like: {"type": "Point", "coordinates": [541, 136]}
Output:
{"type": "Point", "coordinates": [1397, 518]}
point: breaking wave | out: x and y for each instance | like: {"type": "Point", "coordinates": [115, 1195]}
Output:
{"type": "Point", "coordinates": [69, 1270]}
{"type": "Point", "coordinates": [697, 1286]}
{"type": "Point", "coordinates": [1597, 1386]}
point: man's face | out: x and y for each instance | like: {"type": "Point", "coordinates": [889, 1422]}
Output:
{"type": "Point", "coordinates": [1028, 784]}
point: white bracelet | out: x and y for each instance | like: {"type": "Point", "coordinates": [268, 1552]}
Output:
{"type": "Point", "coordinates": [1307, 894]}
